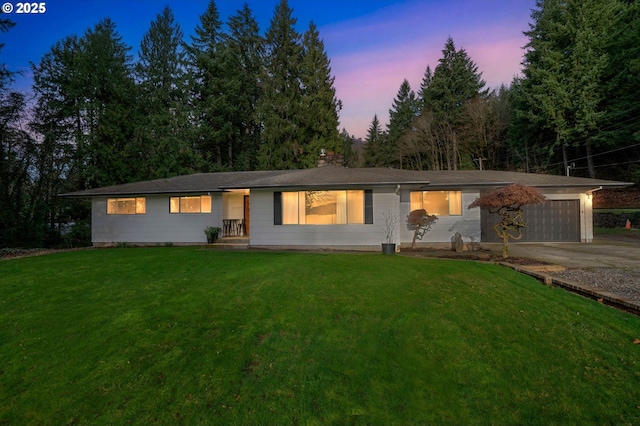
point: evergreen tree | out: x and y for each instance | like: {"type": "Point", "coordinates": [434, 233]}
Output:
{"type": "Point", "coordinates": [245, 49]}
{"type": "Point", "coordinates": [212, 109]}
{"type": "Point", "coordinates": [6, 76]}
{"type": "Point", "coordinates": [351, 157]}
{"type": "Point", "coordinates": [455, 81]}
{"type": "Point", "coordinates": [281, 102]}
{"type": "Point", "coordinates": [86, 95]}
{"type": "Point", "coordinates": [163, 149]}
{"type": "Point", "coordinates": [405, 109]}
{"type": "Point", "coordinates": [374, 139]}
{"type": "Point", "coordinates": [561, 98]}
{"type": "Point", "coordinates": [320, 107]}
{"type": "Point", "coordinates": [619, 126]}
{"type": "Point", "coordinates": [105, 69]}
{"type": "Point", "coordinates": [424, 86]}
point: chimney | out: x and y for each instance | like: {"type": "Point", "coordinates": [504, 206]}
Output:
{"type": "Point", "coordinates": [330, 158]}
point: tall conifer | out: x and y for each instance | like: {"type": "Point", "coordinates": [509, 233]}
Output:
{"type": "Point", "coordinates": [280, 104]}
{"type": "Point", "coordinates": [320, 107]}
{"type": "Point", "coordinates": [162, 131]}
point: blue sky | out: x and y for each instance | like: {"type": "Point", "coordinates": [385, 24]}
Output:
{"type": "Point", "coordinates": [373, 44]}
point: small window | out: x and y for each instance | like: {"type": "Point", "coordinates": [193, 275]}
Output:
{"type": "Point", "coordinates": [190, 204]}
{"type": "Point", "coordinates": [126, 205]}
{"type": "Point", "coordinates": [439, 203]}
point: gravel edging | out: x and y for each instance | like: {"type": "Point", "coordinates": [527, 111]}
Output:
{"type": "Point", "coordinates": [610, 286]}
{"type": "Point", "coordinates": [623, 282]}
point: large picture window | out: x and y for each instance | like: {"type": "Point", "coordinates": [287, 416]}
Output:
{"type": "Point", "coordinates": [126, 205]}
{"type": "Point", "coordinates": [323, 207]}
{"type": "Point", "coordinates": [191, 204]}
{"type": "Point", "coordinates": [439, 203]}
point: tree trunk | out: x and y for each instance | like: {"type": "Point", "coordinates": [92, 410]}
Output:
{"type": "Point", "coordinates": [505, 245]}
{"type": "Point", "coordinates": [565, 162]}
{"type": "Point", "coordinates": [590, 166]}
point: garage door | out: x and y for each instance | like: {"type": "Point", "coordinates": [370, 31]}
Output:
{"type": "Point", "coordinates": [555, 220]}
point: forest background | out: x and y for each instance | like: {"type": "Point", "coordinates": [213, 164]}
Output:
{"type": "Point", "coordinates": [235, 98]}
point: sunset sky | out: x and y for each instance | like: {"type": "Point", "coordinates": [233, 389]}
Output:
{"type": "Point", "coordinates": [373, 45]}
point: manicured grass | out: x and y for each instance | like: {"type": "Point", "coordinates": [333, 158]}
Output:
{"type": "Point", "coordinates": [616, 231]}
{"type": "Point", "coordinates": [616, 210]}
{"type": "Point", "coordinates": [195, 336]}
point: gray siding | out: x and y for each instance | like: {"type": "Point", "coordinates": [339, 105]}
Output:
{"type": "Point", "coordinates": [264, 233]}
{"type": "Point", "coordinates": [468, 224]}
{"type": "Point", "coordinates": [156, 226]}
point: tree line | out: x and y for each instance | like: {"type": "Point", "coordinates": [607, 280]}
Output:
{"type": "Point", "coordinates": [573, 110]}
{"type": "Point", "coordinates": [235, 98]}
{"type": "Point", "coordinates": [227, 99]}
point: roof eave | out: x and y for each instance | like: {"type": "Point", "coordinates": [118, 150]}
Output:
{"type": "Point", "coordinates": [324, 185]}
{"type": "Point", "coordinates": [80, 194]}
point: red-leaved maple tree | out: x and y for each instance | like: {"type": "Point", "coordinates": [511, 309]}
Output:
{"type": "Point", "coordinates": [508, 202]}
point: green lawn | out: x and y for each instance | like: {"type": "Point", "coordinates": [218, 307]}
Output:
{"type": "Point", "coordinates": [195, 336]}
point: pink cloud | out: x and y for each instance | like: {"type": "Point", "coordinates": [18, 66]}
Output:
{"type": "Point", "coordinates": [371, 56]}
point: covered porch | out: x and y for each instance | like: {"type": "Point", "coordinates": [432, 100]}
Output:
{"type": "Point", "coordinates": [236, 213]}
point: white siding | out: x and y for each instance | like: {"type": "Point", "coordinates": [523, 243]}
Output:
{"type": "Point", "coordinates": [156, 226]}
{"type": "Point", "coordinates": [264, 233]}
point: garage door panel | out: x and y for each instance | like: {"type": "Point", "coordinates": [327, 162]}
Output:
{"type": "Point", "coordinates": [555, 220]}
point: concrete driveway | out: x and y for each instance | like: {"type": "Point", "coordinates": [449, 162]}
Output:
{"type": "Point", "coordinates": [598, 254]}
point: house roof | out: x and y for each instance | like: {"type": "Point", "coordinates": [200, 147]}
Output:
{"type": "Point", "coordinates": [336, 176]}
{"type": "Point", "coordinates": [195, 183]}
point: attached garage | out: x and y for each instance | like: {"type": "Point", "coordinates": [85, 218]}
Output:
{"type": "Point", "coordinates": [552, 221]}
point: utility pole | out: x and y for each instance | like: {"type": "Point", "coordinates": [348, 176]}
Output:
{"type": "Point", "coordinates": [479, 161]}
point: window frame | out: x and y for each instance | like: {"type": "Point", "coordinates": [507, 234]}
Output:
{"type": "Point", "coordinates": [450, 193]}
{"type": "Point", "coordinates": [279, 207]}
{"type": "Point", "coordinates": [181, 199]}
{"type": "Point", "coordinates": [140, 206]}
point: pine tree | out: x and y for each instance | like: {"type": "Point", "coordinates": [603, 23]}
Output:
{"type": "Point", "coordinates": [162, 130]}
{"type": "Point", "coordinates": [209, 72]}
{"type": "Point", "coordinates": [351, 156]}
{"type": "Point", "coordinates": [405, 109]}
{"type": "Point", "coordinates": [374, 139]}
{"type": "Point", "coordinates": [455, 81]}
{"type": "Point", "coordinates": [320, 107]}
{"type": "Point", "coordinates": [281, 102]}
{"type": "Point", "coordinates": [105, 66]}
{"type": "Point", "coordinates": [244, 45]}
{"type": "Point", "coordinates": [424, 87]}
{"type": "Point", "coordinates": [561, 96]}
{"type": "Point", "coordinates": [6, 76]}
{"type": "Point", "coordinates": [621, 86]}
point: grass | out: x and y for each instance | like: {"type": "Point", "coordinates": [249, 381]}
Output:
{"type": "Point", "coordinates": [194, 336]}
{"type": "Point", "coordinates": [616, 231]}
{"type": "Point", "coordinates": [616, 210]}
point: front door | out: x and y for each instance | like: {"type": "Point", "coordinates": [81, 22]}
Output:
{"type": "Point", "coordinates": [246, 215]}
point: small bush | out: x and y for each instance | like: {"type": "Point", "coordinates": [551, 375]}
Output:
{"type": "Point", "coordinates": [79, 235]}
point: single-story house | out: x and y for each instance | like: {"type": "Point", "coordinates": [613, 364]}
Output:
{"type": "Point", "coordinates": [332, 207]}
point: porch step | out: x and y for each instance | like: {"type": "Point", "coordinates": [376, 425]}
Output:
{"type": "Point", "coordinates": [231, 243]}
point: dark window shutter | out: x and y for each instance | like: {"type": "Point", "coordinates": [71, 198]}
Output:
{"type": "Point", "coordinates": [277, 208]}
{"type": "Point", "coordinates": [368, 206]}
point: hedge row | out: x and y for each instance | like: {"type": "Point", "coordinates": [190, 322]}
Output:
{"type": "Point", "coordinates": [615, 220]}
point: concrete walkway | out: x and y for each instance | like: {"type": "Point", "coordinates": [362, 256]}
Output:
{"type": "Point", "coordinates": [599, 254]}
